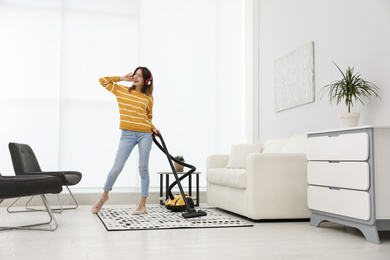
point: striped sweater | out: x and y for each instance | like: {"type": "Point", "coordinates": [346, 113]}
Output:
{"type": "Point", "coordinates": [135, 108]}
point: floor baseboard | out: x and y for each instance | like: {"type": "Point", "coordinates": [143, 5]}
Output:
{"type": "Point", "coordinates": [90, 197]}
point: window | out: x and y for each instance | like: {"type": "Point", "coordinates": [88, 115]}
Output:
{"type": "Point", "coordinates": [56, 51]}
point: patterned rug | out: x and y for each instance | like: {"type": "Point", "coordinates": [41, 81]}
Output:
{"type": "Point", "coordinates": [158, 217]}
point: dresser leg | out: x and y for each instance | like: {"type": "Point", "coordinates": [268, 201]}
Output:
{"type": "Point", "coordinates": [316, 220]}
{"type": "Point", "coordinates": [370, 232]}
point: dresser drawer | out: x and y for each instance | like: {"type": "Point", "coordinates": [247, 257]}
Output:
{"type": "Point", "coordinates": [350, 203]}
{"type": "Point", "coordinates": [352, 175]}
{"type": "Point", "coordinates": [348, 147]}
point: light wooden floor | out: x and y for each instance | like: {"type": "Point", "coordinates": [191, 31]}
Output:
{"type": "Point", "coordinates": [81, 235]}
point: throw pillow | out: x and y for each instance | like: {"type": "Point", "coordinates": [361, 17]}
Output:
{"type": "Point", "coordinates": [295, 144]}
{"type": "Point", "coordinates": [274, 145]}
{"type": "Point", "coordinates": [239, 152]}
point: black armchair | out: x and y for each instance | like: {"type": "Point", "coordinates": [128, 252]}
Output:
{"type": "Point", "coordinates": [21, 186]}
{"type": "Point", "coordinates": [26, 163]}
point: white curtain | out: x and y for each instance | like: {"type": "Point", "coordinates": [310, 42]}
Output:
{"type": "Point", "coordinates": [54, 52]}
{"type": "Point", "coordinates": [99, 38]}
{"type": "Point", "coordinates": [30, 34]}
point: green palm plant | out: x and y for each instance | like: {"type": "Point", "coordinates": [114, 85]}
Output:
{"type": "Point", "coordinates": [350, 88]}
{"type": "Point", "coordinates": [179, 158]}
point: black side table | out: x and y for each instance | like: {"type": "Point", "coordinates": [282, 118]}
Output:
{"type": "Point", "coordinates": [167, 186]}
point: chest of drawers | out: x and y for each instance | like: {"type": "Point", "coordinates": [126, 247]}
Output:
{"type": "Point", "coordinates": [349, 178]}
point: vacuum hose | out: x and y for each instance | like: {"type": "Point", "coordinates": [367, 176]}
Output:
{"type": "Point", "coordinates": [191, 212]}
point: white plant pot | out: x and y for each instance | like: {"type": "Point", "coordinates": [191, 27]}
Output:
{"type": "Point", "coordinates": [348, 119]}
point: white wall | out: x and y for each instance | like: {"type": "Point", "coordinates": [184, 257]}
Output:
{"type": "Point", "coordinates": [348, 32]}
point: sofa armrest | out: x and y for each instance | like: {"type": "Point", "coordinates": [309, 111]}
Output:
{"type": "Point", "coordinates": [217, 161]}
{"type": "Point", "coordinates": [278, 182]}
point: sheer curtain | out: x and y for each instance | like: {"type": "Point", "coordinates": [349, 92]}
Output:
{"type": "Point", "coordinates": [30, 79]}
{"type": "Point", "coordinates": [55, 52]}
{"type": "Point", "coordinates": [99, 38]}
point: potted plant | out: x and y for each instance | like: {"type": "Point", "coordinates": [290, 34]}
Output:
{"type": "Point", "coordinates": [349, 89]}
{"type": "Point", "coordinates": [179, 167]}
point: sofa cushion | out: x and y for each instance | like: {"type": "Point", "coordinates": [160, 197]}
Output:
{"type": "Point", "coordinates": [295, 144]}
{"type": "Point", "coordinates": [235, 178]}
{"type": "Point", "coordinates": [239, 153]}
{"type": "Point", "coordinates": [274, 145]}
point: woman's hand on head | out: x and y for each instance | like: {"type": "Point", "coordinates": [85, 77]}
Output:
{"type": "Point", "coordinates": [127, 77]}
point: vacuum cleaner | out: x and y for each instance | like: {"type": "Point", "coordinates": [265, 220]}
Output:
{"type": "Point", "coordinates": [180, 202]}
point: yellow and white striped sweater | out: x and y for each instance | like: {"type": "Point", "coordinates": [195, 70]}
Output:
{"type": "Point", "coordinates": [135, 108]}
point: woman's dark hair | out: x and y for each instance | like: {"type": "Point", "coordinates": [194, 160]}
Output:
{"type": "Point", "coordinates": [146, 74]}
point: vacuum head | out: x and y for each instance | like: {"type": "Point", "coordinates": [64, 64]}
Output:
{"type": "Point", "coordinates": [193, 214]}
{"type": "Point", "coordinates": [178, 205]}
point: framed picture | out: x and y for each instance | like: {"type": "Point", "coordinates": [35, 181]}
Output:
{"type": "Point", "coordinates": [294, 78]}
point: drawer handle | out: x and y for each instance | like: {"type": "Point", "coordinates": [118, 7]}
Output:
{"type": "Point", "coordinates": [334, 161]}
{"type": "Point", "coordinates": [334, 188]}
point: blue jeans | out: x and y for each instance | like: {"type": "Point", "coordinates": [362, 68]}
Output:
{"type": "Point", "coordinates": [129, 139]}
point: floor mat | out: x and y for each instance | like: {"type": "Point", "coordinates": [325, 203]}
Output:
{"type": "Point", "coordinates": [158, 217]}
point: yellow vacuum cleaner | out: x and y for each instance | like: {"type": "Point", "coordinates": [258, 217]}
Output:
{"type": "Point", "coordinates": [180, 202]}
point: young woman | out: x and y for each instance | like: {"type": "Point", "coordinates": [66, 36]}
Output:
{"type": "Point", "coordinates": [135, 108]}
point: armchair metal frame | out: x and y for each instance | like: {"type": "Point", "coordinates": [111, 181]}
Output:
{"type": "Point", "coordinates": [55, 210]}
{"type": "Point", "coordinates": [31, 226]}
{"type": "Point", "coordinates": [24, 186]}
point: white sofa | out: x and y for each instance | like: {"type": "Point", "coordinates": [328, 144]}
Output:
{"type": "Point", "coordinates": [266, 181]}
